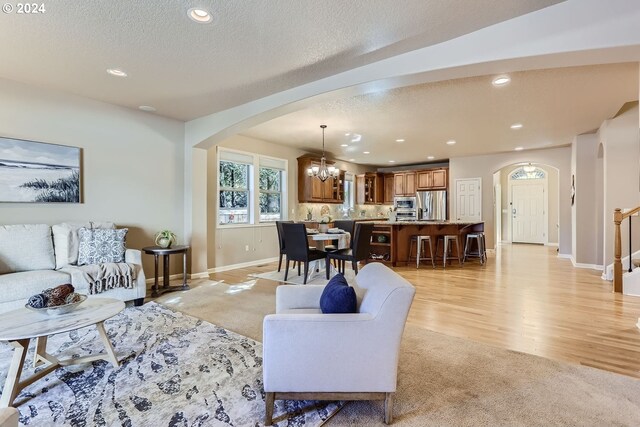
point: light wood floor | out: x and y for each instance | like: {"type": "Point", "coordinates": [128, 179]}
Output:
{"type": "Point", "coordinates": [524, 299]}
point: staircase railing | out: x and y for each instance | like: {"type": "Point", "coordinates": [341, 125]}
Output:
{"type": "Point", "coordinates": [618, 217]}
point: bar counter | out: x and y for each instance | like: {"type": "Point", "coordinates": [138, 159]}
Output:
{"type": "Point", "coordinates": [400, 232]}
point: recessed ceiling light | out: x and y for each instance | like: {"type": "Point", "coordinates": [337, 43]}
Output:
{"type": "Point", "coordinates": [116, 72]}
{"type": "Point", "coordinates": [392, 161]}
{"type": "Point", "coordinates": [501, 80]}
{"type": "Point", "coordinates": [399, 140]}
{"type": "Point", "coordinates": [147, 108]}
{"type": "Point", "coordinates": [200, 16]}
{"type": "Point", "coordinates": [516, 126]}
{"type": "Point", "coordinates": [451, 142]}
{"type": "Point", "coordinates": [519, 148]}
{"type": "Point", "coordinates": [344, 145]}
{"type": "Point", "coordinates": [365, 152]}
{"type": "Point", "coordinates": [352, 160]}
{"type": "Point", "coordinates": [347, 134]}
{"type": "Point", "coordinates": [430, 157]}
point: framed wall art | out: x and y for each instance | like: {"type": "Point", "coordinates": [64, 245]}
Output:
{"type": "Point", "coordinates": [37, 172]}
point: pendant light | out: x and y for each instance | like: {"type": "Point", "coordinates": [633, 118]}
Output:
{"type": "Point", "coordinates": [323, 172]}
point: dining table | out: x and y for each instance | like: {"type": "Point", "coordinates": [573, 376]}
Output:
{"type": "Point", "coordinates": [343, 238]}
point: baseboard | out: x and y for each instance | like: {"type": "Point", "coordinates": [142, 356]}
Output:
{"type": "Point", "coordinates": [203, 275]}
{"type": "Point", "coordinates": [551, 244]}
{"type": "Point", "coordinates": [580, 264]}
{"type": "Point", "coordinates": [242, 265]}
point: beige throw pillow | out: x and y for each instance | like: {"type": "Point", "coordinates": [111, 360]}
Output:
{"type": "Point", "coordinates": [66, 240]}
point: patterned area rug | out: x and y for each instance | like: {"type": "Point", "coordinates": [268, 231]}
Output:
{"type": "Point", "coordinates": [175, 370]}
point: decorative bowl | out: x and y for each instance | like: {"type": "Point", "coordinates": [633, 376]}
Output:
{"type": "Point", "coordinates": [60, 309]}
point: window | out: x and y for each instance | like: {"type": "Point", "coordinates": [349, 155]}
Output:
{"type": "Point", "coordinates": [535, 173]}
{"type": "Point", "coordinates": [234, 193]}
{"type": "Point", "coordinates": [270, 181]}
{"type": "Point", "coordinates": [252, 189]}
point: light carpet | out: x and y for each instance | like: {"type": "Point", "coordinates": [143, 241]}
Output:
{"type": "Point", "coordinates": [316, 278]}
{"type": "Point", "coordinates": [447, 381]}
{"type": "Point", "coordinates": [175, 370]}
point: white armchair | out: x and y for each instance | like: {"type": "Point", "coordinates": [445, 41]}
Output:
{"type": "Point", "coordinates": [315, 356]}
{"type": "Point", "coordinates": [9, 417]}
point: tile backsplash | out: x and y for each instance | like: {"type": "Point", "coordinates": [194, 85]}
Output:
{"type": "Point", "coordinates": [337, 211]}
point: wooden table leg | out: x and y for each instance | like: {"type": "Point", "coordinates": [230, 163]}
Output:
{"type": "Point", "coordinates": [41, 351]}
{"type": "Point", "coordinates": [165, 273]}
{"type": "Point", "coordinates": [155, 277]}
{"type": "Point", "coordinates": [107, 344]}
{"type": "Point", "coordinates": [12, 383]}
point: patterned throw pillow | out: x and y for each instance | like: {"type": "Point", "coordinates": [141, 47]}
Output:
{"type": "Point", "coordinates": [98, 246]}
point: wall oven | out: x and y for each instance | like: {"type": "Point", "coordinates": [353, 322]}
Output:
{"type": "Point", "coordinates": [406, 208]}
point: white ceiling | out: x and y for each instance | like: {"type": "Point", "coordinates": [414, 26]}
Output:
{"type": "Point", "coordinates": [254, 47]}
{"type": "Point", "coordinates": [553, 105]}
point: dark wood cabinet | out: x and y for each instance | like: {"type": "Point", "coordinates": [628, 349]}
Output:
{"type": "Point", "coordinates": [432, 179]}
{"type": "Point", "coordinates": [312, 190]}
{"type": "Point", "coordinates": [404, 184]}
{"type": "Point", "coordinates": [388, 189]}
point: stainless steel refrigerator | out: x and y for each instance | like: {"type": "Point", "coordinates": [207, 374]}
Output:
{"type": "Point", "coordinates": [432, 205]}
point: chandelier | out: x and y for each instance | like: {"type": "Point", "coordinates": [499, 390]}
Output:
{"type": "Point", "coordinates": [323, 172]}
{"type": "Point", "coordinates": [529, 168]}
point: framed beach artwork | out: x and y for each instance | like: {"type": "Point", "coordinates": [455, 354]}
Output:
{"type": "Point", "coordinates": [37, 172]}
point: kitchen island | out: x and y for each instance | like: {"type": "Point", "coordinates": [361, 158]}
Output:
{"type": "Point", "coordinates": [391, 240]}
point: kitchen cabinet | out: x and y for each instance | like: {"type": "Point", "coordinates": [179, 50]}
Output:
{"type": "Point", "coordinates": [388, 189]}
{"type": "Point", "coordinates": [312, 190]}
{"type": "Point", "coordinates": [404, 184]}
{"type": "Point", "coordinates": [369, 189]}
{"type": "Point", "coordinates": [432, 179]}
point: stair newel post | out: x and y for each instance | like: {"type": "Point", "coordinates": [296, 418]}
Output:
{"type": "Point", "coordinates": [617, 252]}
{"type": "Point", "coordinates": [630, 260]}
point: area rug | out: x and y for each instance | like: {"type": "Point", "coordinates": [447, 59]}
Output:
{"type": "Point", "coordinates": [175, 370]}
{"type": "Point", "coordinates": [315, 278]}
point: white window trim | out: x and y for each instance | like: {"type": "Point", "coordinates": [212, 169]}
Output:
{"type": "Point", "coordinates": [254, 190]}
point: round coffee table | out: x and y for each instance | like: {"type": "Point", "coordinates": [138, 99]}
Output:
{"type": "Point", "coordinates": [20, 326]}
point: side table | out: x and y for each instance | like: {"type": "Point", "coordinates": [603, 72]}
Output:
{"type": "Point", "coordinates": [156, 251]}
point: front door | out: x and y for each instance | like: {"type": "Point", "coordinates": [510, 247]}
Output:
{"type": "Point", "coordinates": [469, 199]}
{"type": "Point", "coordinates": [528, 222]}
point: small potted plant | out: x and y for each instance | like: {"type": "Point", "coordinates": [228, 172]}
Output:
{"type": "Point", "coordinates": [165, 238]}
{"type": "Point", "coordinates": [323, 226]}
{"type": "Point", "coordinates": [309, 213]}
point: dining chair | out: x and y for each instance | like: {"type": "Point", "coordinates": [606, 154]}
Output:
{"type": "Point", "coordinates": [359, 250]}
{"type": "Point", "coordinates": [296, 248]}
{"type": "Point", "coordinates": [281, 242]}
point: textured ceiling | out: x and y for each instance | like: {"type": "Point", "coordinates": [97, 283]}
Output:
{"type": "Point", "coordinates": [252, 49]}
{"type": "Point", "coordinates": [553, 105]}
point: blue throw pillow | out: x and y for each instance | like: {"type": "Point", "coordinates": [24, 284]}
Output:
{"type": "Point", "coordinates": [338, 296]}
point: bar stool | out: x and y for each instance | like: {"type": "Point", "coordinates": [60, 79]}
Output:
{"type": "Point", "coordinates": [420, 249]}
{"type": "Point", "coordinates": [448, 239]}
{"type": "Point", "coordinates": [481, 253]}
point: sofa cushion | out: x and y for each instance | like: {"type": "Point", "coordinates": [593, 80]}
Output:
{"type": "Point", "coordinates": [338, 296]}
{"type": "Point", "coordinates": [26, 247]}
{"type": "Point", "coordinates": [17, 286]}
{"type": "Point", "coordinates": [66, 242]}
{"type": "Point", "coordinates": [101, 245]}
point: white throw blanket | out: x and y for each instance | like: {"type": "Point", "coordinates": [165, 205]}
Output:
{"type": "Point", "coordinates": [103, 277]}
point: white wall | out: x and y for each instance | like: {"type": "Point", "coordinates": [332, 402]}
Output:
{"type": "Point", "coordinates": [132, 162]}
{"type": "Point", "coordinates": [485, 166]}
{"type": "Point", "coordinates": [584, 152]}
{"type": "Point", "coordinates": [621, 141]}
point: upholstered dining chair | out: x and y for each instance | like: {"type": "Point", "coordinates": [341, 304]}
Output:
{"type": "Point", "coordinates": [296, 248]}
{"type": "Point", "coordinates": [359, 250]}
{"type": "Point", "coordinates": [308, 355]}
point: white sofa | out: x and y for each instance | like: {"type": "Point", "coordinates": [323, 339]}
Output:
{"type": "Point", "coordinates": [28, 262]}
{"type": "Point", "coordinates": [310, 355]}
